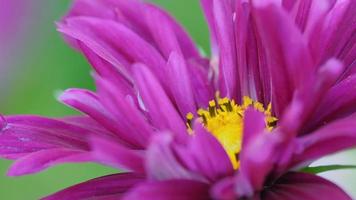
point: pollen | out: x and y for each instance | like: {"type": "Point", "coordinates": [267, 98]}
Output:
{"type": "Point", "coordinates": [224, 119]}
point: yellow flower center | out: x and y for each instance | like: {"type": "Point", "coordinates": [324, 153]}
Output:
{"type": "Point", "coordinates": [224, 119]}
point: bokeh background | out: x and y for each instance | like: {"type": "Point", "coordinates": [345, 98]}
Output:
{"type": "Point", "coordinates": [35, 64]}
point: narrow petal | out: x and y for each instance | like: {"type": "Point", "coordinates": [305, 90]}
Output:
{"type": "Point", "coordinates": [107, 187]}
{"type": "Point", "coordinates": [170, 190]}
{"type": "Point", "coordinates": [306, 100]}
{"type": "Point", "coordinates": [22, 135]}
{"type": "Point", "coordinates": [333, 137]}
{"type": "Point", "coordinates": [290, 67]}
{"type": "Point", "coordinates": [89, 103]}
{"type": "Point", "coordinates": [296, 186]}
{"type": "Point", "coordinates": [113, 154]}
{"type": "Point", "coordinates": [43, 159]}
{"type": "Point", "coordinates": [180, 84]}
{"type": "Point", "coordinates": [257, 160]}
{"type": "Point", "coordinates": [338, 102]}
{"type": "Point", "coordinates": [159, 106]}
{"type": "Point", "coordinates": [212, 162]}
{"type": "Point", "coordinates": [125, 109]}
{"type": "Point", "coordinates": [113, 42]}
{"type": "Point", "coordinates": [223, 15]}
{"type": "Point", "coordinates": [37, 143]}
{"type": "Point", "coordinates": [254, 124]}
{"type": "Point", "coordinates": [161, 149]}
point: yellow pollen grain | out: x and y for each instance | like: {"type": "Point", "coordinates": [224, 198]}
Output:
{"type": "Point", "coordinates": [224, 119]}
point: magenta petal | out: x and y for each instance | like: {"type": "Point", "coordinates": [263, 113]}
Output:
{"type": "Point", "coordinates": [224, 189]}
{"type": "Point", "coordinates": [170, 190]}
{"type": "Point", "coordinates": [212, 162]}
{"type": "Point", "coordinates": [256, 166]}
{"type": "Point", "coordinates": [89, 103]}
{"type": "Point", "coordinates": [331, 138]}
{"type": "Point", "coordinates": [43, 159]}
{"type": "Point", "coordinates": [306, 100]}
{"type": "Point", "coordinates": [161, 149]}
{"type": "Point", "coordinates": [290, 67]}
{"type": "Point", "coordinates": [296, 186]}
{"type": "Point", "coordinates": [22, 135]}
{"type": "Point", "coordinates": [223, 14]}
{"type": "Point", "coordinates": [254, 124]}
{"type": "Point", "coordinates": [114, 42]}
{"type": "Point", "coordinates": [125, 109]}
{"type": "Point", "coordinates": [107, 187]}
{"type": "Point", "coordinates": [338, 102]}
{"type": "Point", "coordinates": [162, 112]}
{"type": "Point", "coordinates": [113, 154]}
{"type": "Point", "coordinates": [180, 83]}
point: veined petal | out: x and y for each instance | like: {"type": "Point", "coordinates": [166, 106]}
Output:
{"type": "Point", "coordinates": [124, 109]}
{"type": "Point", "coordinates": [254, 124]}
{"type": "Point", "coordinates": [294, 186]}
{"type": "Point", "coordinates": [338, 102]}
{"type": "Point", "coordinates": [180, 84]}
{"type": "Point", "coordinates": [114, 42]}
{"type": "Point", "coordinates": [171, 189]}
{"type": "Point", "coordinates": [161, 149]}
{"type": "Point", "coordinates": [159, 107]}
{"type": "Point", "coordinates": [212, 162]}
{"type": "Point", "coordinates": [107, 187]}
{"type": "Point", "coordinates": [223, 15]}
{"type": "Point", "coordinates": [306, 100]}
{"type": "Point", "coordinates": [42, 159]}
{"type": "Point", "coordinates": [329, 139]}
{"type": "Point", "coordinates": [89, 103]}
{"type": "Point", "coordinates": [290, 67]}
{"type": "Point", "coordinates": [37, 142]}
{"type": "Point", "coordinates": [113, 154]}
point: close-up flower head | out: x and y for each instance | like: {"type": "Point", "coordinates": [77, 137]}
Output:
{"type": "Point", "coordinates": [276, 93]}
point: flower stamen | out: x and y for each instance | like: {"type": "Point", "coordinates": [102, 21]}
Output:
{"type": "Point", "coordinates": [223, 118]}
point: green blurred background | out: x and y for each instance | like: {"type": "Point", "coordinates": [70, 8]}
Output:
{"type": "Point", "coordinates": [44, 64]}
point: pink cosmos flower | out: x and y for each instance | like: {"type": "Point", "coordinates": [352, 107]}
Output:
{"type": "Point", "coordinates": [276, 94]}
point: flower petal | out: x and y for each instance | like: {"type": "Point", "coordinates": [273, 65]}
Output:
{"type": "Point", "coordinates": [161, 149]}
{"type": "Point", "coordinates": [89, 103]}
{"type": "Point", "coordinates": [170, 190]}
{"type": "Point", "coordinates": [296, 186]}
{"type": "Point", "coordinates": [223, 15]}
{"type": "Point", "coordinates": [180, 84]}
{"type": "Point", "coordinates": [290, 67]}
{"type": "Point", "coordinates": [159, 107]}
{"type": "Point", "coordinates": [212, 162]}
{"type": "Point", "coordinates": [338, 102]}
{"type": "Point", "coordinates": [107, 187]}
{"type": "Point", "coordinates": [331, 138]}
{"type": "Point", "coordinates": [37, 142]}
{"type": "Point", "coordinates": [43, 159]}
{"type": "Point", "coordinates": [113, 154]}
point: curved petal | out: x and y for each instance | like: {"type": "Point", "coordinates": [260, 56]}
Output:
{"type": "Point", "coordinates": [170, 190]}
{"type": "Point", "coordinates": [159, 107]}
{"type": "Point", "coordinates": [107, 187]}
{"type": "Point", "coordinates": [37, 142]}
{"type": "Point", "coordinates": [258, 159]}
{"type": "Point", "coordinates": [113, 154]}
{"type": "Point", "coordinates": [89, 103]}
{"type": "Point", "coordinates": [338, 102]}
{"type": "Point", "coordinates": [212, 162]}
{"type": "Point", "coordinates": [180, 84]}
{"type": "Point", "coordinates": [43, 159]}
{"type": "Point", "coordinates": [223, 15]}
{"type": "Point", "coordinates": [172, 168]}
{"type": "Point", "coordinates": [333, 137]}
{"type": "Point", "coordinates": [290, 67]}
{"type": "Point", "coordinates": [295, 186]}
